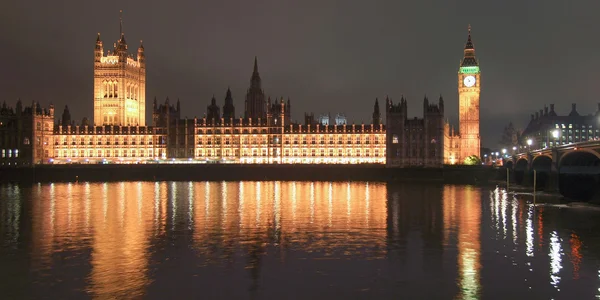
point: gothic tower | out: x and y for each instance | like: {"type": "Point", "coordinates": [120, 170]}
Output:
{"type": "Point", "coordinates": [469, 87]}
{"type": "Point", "coordinates": [376, 113]}
{"type": "Point", "coordinates": [255, 98]}
{"type": "Point", "coordinates": [228, 108]}
{"type": "Point", "coordinates": [119, 84]}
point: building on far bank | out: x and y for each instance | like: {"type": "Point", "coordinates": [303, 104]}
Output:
{"type": "Point", "coordinates": [547, 129]}
{"type": "Point", "coordinates": [413, 141]}
{"type": "Point", "coordinates": [26, 134]}
{"type": "Point", "coordinates": [467, 141]}
{"type": "Point", "coordinates": [265, 134]}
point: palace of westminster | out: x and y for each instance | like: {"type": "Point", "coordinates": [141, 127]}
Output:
{"type": "Point", "coordinates": [264, 135]}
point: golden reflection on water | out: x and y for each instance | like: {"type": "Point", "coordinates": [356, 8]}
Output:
{"type": "Point", "coordinates": [465, 220]}
{"type": "Point", "coordinates": [117, 223]}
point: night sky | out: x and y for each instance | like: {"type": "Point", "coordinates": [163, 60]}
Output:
{"type": "Point", "coordinates": [327, 56]}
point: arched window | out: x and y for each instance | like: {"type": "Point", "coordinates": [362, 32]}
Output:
{"type": "Point", "coordinates": [116, 89]}
{"type": "Point", "coordinates": [111, 90]}
{"type": "Point", "coordinates": [105, 89]}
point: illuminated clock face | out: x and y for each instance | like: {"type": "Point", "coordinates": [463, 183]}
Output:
{"type": "Point", "coordinates": [469, 81]}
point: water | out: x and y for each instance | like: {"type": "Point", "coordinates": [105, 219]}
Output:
{"type": "Point", "coordinates": [292, 240]}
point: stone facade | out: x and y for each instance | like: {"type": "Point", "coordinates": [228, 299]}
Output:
{"type": "Point", "coordinates": [414, 141]}
{"type": "Point", "coordinates": [26, 134]}
{"type": "Point", "coordinates": [119, 85]}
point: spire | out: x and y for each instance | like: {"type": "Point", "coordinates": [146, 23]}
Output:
{"type": "Point", "coordinates": [469, 59]}
{"type": "Point", "coordinates": [121, 22]}
{"type": "Point", "coordinates": [98, 40]}
{"type": "Point", "coordinates": [469, 44]}
{"type": "Point", "coordinates": [256, 65]}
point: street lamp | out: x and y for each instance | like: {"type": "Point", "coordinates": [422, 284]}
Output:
{"type": "Point", "coordinates": [503, 151]}
{"type": "Point", "coordinates": [529, 142]}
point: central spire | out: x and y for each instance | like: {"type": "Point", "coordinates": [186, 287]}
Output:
{"type": "Point", "coordinates": [255, 65]}
{"type": "Point", "coordinates": [120, 22]}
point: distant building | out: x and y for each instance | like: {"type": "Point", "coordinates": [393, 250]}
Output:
{"type": "Point", "coordinates": [467, 141]}
{"type": "Point", "coordinates": [25, 134]}
{"type": "Point", "coordinates": [414, 141]}
{"type": "Point", "coordinates": [119, 85]}
{"type": "Point", "coordinates": [548, 129]}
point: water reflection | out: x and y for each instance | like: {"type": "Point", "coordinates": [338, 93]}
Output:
{"type": "Point", "coordinates": [131, 239]}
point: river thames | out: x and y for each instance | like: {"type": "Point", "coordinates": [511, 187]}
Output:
{"type": "Point", "coordinates": [292, 240]}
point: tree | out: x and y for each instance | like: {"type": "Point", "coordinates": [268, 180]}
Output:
{"type": "Point", "coordinates": [472, 160]}
{"type": "Point", "coordinates": [510, 136]}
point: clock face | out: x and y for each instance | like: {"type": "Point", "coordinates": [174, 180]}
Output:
{"type": "Point", "coordinates": [469, 81]}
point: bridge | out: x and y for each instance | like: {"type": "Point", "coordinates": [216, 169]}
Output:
{"type": "Point", "coordinates": [572, 169]}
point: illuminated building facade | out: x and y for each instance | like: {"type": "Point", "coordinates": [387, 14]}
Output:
{"type": "Point", "coordinates": [119, 85]}
{"type": "Point", "coordinates": [460, 145]}
{"type": "Point", "coordinates": [273, 139]}
{"type": "Point", "coordinates": [25, 134]}
{"type": "Point", "coordinates": [547, 129]}
{"type": "Point", "coordinates": [265, 133]}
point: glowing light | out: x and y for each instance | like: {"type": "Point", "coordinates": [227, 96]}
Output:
{"type": "Point", "coordinates": [529, 231]}
{"type": "Point", "coordinates": [555, 259]}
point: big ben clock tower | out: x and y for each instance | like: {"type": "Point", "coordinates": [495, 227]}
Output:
{"type": "Point", "coordinates": [469, 87]}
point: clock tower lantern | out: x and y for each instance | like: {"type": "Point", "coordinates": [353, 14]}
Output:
{"type": "Point", "coordinates": [469, 87]}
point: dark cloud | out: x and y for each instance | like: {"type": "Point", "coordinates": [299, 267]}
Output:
{"type": "Point", "coordinates": [328, 56]}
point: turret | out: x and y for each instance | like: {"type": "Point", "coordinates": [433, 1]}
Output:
{"type": "Point", "coordinates": [228, 108]}
{"type": "Point", "coordinates": [141, 57]}
{"type": "Point", "coordinates": [66, 117]}
{"type": "Point", "coordinates": [441, 104]}
{"type": "Point", "coordinates": [121, 45]}
{"type": "Point", "coordinates": [376, 113]}
{"type": "Point", "coordinates": [212, 111]}
{"type": "Point", "coordinates": [98, 50]}
{"type": "Point", "coordinates": [179, 105]}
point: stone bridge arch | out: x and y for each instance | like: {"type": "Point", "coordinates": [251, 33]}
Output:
{"type": "Point", "coordinates": [542, 165]}
{"type": "Point", "coordinates": [579, 174]}
{"type": "Point", "coordinates": [521, 167]}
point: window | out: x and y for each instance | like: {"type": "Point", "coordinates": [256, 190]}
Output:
{"type": "Point", "coordinates": [16, 152]}
{"type": "Point", "coordinates": [395, 139]}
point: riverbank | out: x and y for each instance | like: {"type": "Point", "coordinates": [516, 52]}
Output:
{"type": "Point", "coordinates": [234, 172]}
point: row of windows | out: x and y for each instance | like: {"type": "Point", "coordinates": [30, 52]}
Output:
{"type": "Point", "coordinates": [287, 152]}
{"type": "Point", "coordinates": [108, 153]}
{"type": "Point", "coordinates": [9, 153]}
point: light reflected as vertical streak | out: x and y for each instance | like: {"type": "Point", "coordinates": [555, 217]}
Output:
{"type": "Point", "coordinates": [173, 204]}
{"type": "Point", "coordinates": [241, 204]}
{"type": "Point", "coordinates": [156, 205]}
{"type": "Point", "coordinates": [277, 207]}
{"type": "Point", "coordinates": [190, 205]}
{"type": "Point", "coordinates": [496, 210]}
{"type": "Point", "coordinates": [312, 202]}
{"type": "Point", "coordinates": [294, 200]}
{"type": "Point", "coordinates": [104, 202]}
{"type": "Point", "coordinates": [69, 203]}
{"type": "Point", "coordinates": [368, 203]}
{"type": "Point", "coordinates": [87, 204]}
{"type": "Point", "coordinates": [329, 204]}
{"type": "Point", "coordinates": [504, 208]}
{"type": "Point", "coordinates": [513, 219]}
{"type": "Point", "coordinates": [122, 204]}
{"type": "Point", "coordinates": [224, 204]}
{"type": "Point", "coordinates": [555, 259]}
{"type": "Point", "coordinates": [52, 207]}
{"type": "Point", "coordinates": [348, 207]}
{"type": "Point", "coordinates": [575, 254]}
{"type": "Point", "coordinates": [258, 209]}
{"type": "Point", "coordinates": [529, 241]}
{"type": "Point", "coordinates": [139, 202]}
{"type": "Point", "coordinates": [206, 200]}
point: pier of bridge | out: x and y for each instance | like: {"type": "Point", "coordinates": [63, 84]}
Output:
{"type": "Point", "coordinates": [573, 170]}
